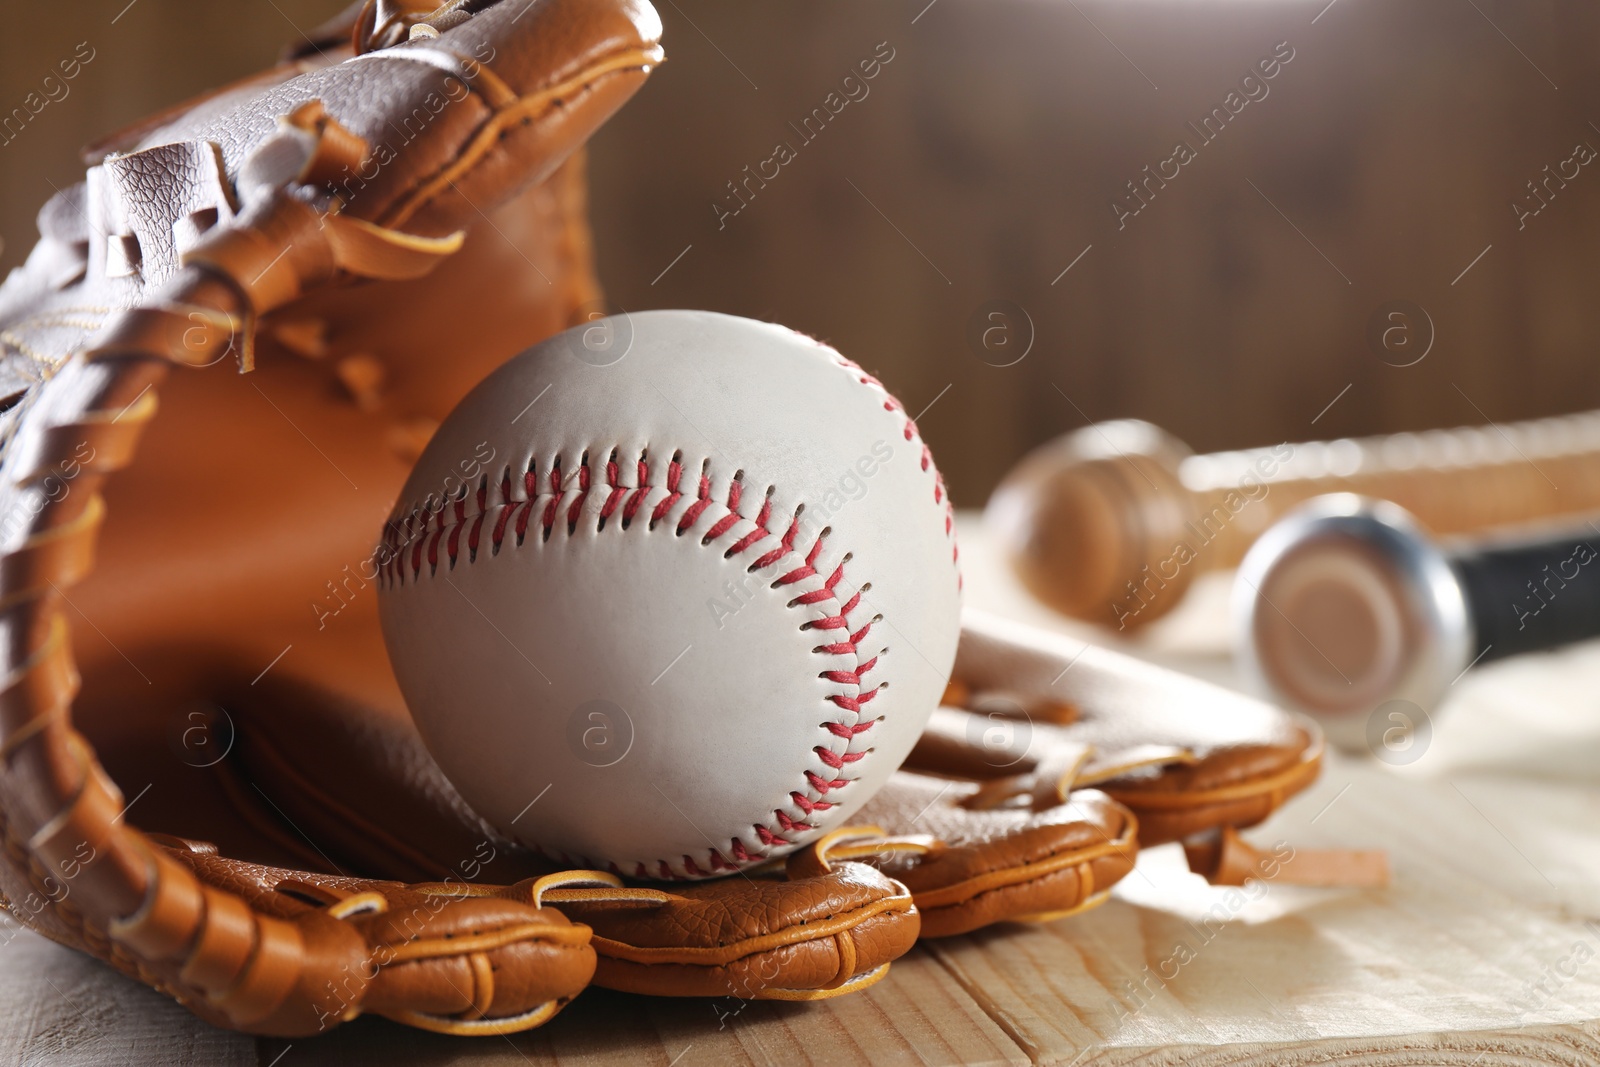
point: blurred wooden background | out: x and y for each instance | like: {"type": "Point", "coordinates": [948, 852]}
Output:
{"type": "Point", "coordinates": [982, 161]}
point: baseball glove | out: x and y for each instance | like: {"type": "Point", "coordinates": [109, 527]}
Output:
{"type": "Point", "coordinates": [295, 218]}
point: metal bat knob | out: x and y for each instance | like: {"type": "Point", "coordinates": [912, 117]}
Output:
{"type": "Point", "coordinates": [1348, 604]}
{"type": "Point", "coordinates": [1112, 522]}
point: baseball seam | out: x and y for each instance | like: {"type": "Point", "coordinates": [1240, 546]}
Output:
{"type": "Point", "coordinates": [941, 498]}
{"type": "Point", "coordinates": [414, 542]}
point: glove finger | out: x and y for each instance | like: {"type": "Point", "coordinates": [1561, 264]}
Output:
{"type": "Point", "coordinates": [1186, 756]}
{"type": "Point", "coordinates": [969, 863]}
{"type": "Point", "coordinates": [447, 957]}
{"type": "Point", "coordinates": [809, 936]}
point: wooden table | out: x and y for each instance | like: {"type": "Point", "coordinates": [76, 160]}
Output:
{"type": "Point", "coordinates": [1485, 950]}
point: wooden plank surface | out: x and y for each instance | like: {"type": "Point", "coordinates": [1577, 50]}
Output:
{"type": "Point", "coordinates": [1485, 950]}
{"type": "Point", "coordinates": [1471, 943]}
{"type": "Point", "coordinates": [920, 1016]}
{"type": "Point", "coordinates": [64, 1009]}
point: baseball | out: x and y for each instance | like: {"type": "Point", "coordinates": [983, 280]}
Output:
{"type": "Point", "coordinates": [672, 593]}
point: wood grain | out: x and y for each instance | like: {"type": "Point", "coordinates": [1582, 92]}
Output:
{"type": "Point", "coordinates": [920, 1016]}
{"type": "Point", "coordinates": [64, 1009]}
{"type": "Point", "coordinates": [1472, 946]}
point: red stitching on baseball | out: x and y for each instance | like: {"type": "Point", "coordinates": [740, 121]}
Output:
{"type": "Point", "coordinates": [417, 534]}
{"type": "Point", "coordinates": [940, 495]}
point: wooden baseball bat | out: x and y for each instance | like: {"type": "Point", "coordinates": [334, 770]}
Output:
{"type": "Point", "coordinates": [1111, 523]}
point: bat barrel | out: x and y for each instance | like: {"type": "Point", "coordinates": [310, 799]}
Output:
{"type": "Point", "coordinates": [1348, 604]}
{"type": "Point", "coordinates": [1092, 523]}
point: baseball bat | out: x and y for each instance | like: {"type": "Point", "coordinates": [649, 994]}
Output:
{"type": "Point", "coordinates": [1348, 603]}
{"type": "Point", "coordinates": [1111, 523]}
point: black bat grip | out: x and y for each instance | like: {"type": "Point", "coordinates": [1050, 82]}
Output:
{"type": "Point", "coordinates": [1532, 595]}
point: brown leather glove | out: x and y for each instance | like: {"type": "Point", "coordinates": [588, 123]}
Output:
{"type": "Point", "coordinates": [295, 219]}
{"type": "Point", "coordinates": [973, 854]}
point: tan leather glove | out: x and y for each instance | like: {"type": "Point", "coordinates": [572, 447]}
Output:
{"type": "Point", "coordinates": [292, 222]}
{"type": "Point", "coordinates": [973, 855]}
{"type": "Point", "coordinates": [367, 796]}
{"type": "Point", "coordinates": [1185, 756]}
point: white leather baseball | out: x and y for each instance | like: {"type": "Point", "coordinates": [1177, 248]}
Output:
{"type": "Point", "coordinates": [672, 593]}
